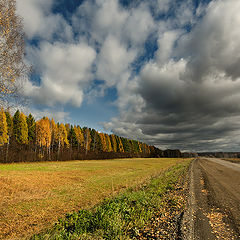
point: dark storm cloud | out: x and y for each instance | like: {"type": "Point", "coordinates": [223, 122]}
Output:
{"type": "Point", "coordinates": [192, 96]}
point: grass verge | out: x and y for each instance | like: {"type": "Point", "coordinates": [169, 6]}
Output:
{"type": "Point", "coordinates": [123, 216]}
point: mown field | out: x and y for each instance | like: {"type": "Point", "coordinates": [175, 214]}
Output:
{"type": "Point", "coordinates": [34, 195]}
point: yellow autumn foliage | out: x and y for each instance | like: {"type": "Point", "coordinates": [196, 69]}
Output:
{"type": "Point", "coordinates": [3, 128]}
{"type": "Point", "coordinates": [43, 132]}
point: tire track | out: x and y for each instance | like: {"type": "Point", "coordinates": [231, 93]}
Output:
{"type": "Point", "coordinates": [214, 201]}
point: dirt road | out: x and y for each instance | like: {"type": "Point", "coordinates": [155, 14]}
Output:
{"type": "Point", "coordinates": [213, 210]}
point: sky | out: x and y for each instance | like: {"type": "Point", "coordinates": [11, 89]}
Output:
{"type": "Point", "coordinates": [165, 72]}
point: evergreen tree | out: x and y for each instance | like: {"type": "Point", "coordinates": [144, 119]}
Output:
{"type": "Point", "coordinates": [87, 138]}
{"type": "Point", "coordinates": [135, 146]}
{"type": "Point", "coordinates": [23, 137]}
{"type": "Point", "coordinates": [31, 128]}
{"type": "Point", "coordinates": [98, 143]}
{"type": "Point", "coordinates": [126, 145]}
{"type": "Point", "coordinates": [53, 131]}
{"type": "Point", "coordinates": [3, 128]}
{"type": "Point", "coordinates": [72, 138]}
{"type": "Point", "coordinates": [95, 144]}
{"type": "Point", "coordinates": [16, 126]}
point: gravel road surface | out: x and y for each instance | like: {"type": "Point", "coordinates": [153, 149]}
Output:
{"type": "Point", "coordinates": [213, 210]}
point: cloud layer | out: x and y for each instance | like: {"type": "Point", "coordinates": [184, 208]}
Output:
{"type": "Point", "coordinates": [174, 64]}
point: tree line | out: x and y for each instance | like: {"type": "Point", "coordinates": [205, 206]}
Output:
{"type": "Point", "coordinates": [24, 139]}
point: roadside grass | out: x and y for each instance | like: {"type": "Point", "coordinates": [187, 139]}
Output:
{"type": "Point", "coordinates": [124, 215]}
{"type": "Point", "coordinates": [233, 160]}
{"type": "Point", "coordinates": [35, 195]}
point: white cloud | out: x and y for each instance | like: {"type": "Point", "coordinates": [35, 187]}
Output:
{"type": "Point", "coordinates": [65, 69]}
{"type": "Point", "coordinates": [113, 61]}
{"type": "Point", "coordinates": [139, 25]}
{"type": "Point", "coordinates": [40, 22]}
{"type": "Point", "coordinates": [166, 43]}
{"type": "Point", "coordinates": [109, 17]}
{"type": "Point", "coordinates": [58, 116]}
{"type": "Point", "coordinates": [163, 6]}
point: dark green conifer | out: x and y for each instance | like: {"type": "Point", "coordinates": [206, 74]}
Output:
{"type": "Point", "coordinates": [16, 126]}
{"type": "Point", "coordinates": [72, 137]}
{"type": "Point", "coordinates": [31, 128]}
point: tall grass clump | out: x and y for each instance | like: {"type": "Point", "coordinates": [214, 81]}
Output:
{"type": "Point", "coordinates": [120, 217]}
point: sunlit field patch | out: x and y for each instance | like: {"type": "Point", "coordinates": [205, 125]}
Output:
{"type": "Point", "coordinates": [34, 195]}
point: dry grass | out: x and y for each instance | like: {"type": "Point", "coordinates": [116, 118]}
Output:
{"type": "Point", "coordinates": [233, 160]}
{"type": "Point", "coordinates": [34, 195]}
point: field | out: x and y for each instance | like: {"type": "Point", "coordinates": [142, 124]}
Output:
{"type": "Point", "coordinates": [34, 195]}
{"type": "Point", "coordinates": [233, 160]}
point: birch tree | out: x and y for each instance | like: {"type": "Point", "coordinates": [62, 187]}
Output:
{"type": "Point", "coordinates": [12, 65]}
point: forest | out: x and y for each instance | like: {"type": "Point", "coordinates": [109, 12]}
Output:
{"type": "Point", "coordinates": [23, 139]}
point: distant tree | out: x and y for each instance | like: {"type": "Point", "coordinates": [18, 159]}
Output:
{"type": "Point", "coordinates": [93, 135]}
{"type": "Point", "coordinates": [43, 132]}
{"type": "Point", "coordinates": [12, 64]}
{"type": "Point", "coordinates": [98, 143]}
{"type": "Point", "coordinates": [145, 148]}
{"type": "Point", "coordinates": [10, 131]}
{"type": "Point", "coordinates": [31, 128]}
{"type": "Point", "coordinates": [126, 144]}
{"type": "Point", "coordinates": [3, 128]}
{"type": "Point", "coordinates": [23, 137]}
{"type": "Point", "coordinates": [135, 146]}
{"type": "Point", "coordinates": [68, 127]}
{"type": "Point", "coordinates": [103, 142]}
{"type": "Point", "coordinates": [113, 142]}
{"type": "Point", "coordinates": [9, 123]}
{"type": "Point", "coordinates": [140, 147]}
{"type": "Point", "coordinates": [72, 137]}
{"type": "Point", "coordinates": [80, 137]}
{"type": "Point", "coordinates": [16, 126]}
{"type": "Point", "coordinates": [119, 144]}
{"type": "Point", "coordinates": [53, 130]}
{"type": "Point", "coordinates": [108, 142]}
{"type": "Point", "coordinates": [87, 138]}
{"type": "Point", "coordinates": [63, 135]}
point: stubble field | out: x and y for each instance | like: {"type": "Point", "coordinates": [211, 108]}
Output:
{"type": "Point", "coordinates": [34, 195]}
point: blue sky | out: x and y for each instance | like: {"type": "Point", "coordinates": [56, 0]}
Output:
{"type": "Point", "coordinates": [161, 71]}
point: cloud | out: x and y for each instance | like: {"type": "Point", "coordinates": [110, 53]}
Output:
{"type": "Point", "coordinates": [184, 96]}
{"type": "Point", "coordinates": [191, 88]}
{"type": "Point", "coordinates": [113, 61]}
{"type": "Point", "coordinates": [58, 116]}
{"type": "Point", "coordinates": [40, 22]}
{"type": "Point", "coordinates": [65, 71]}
